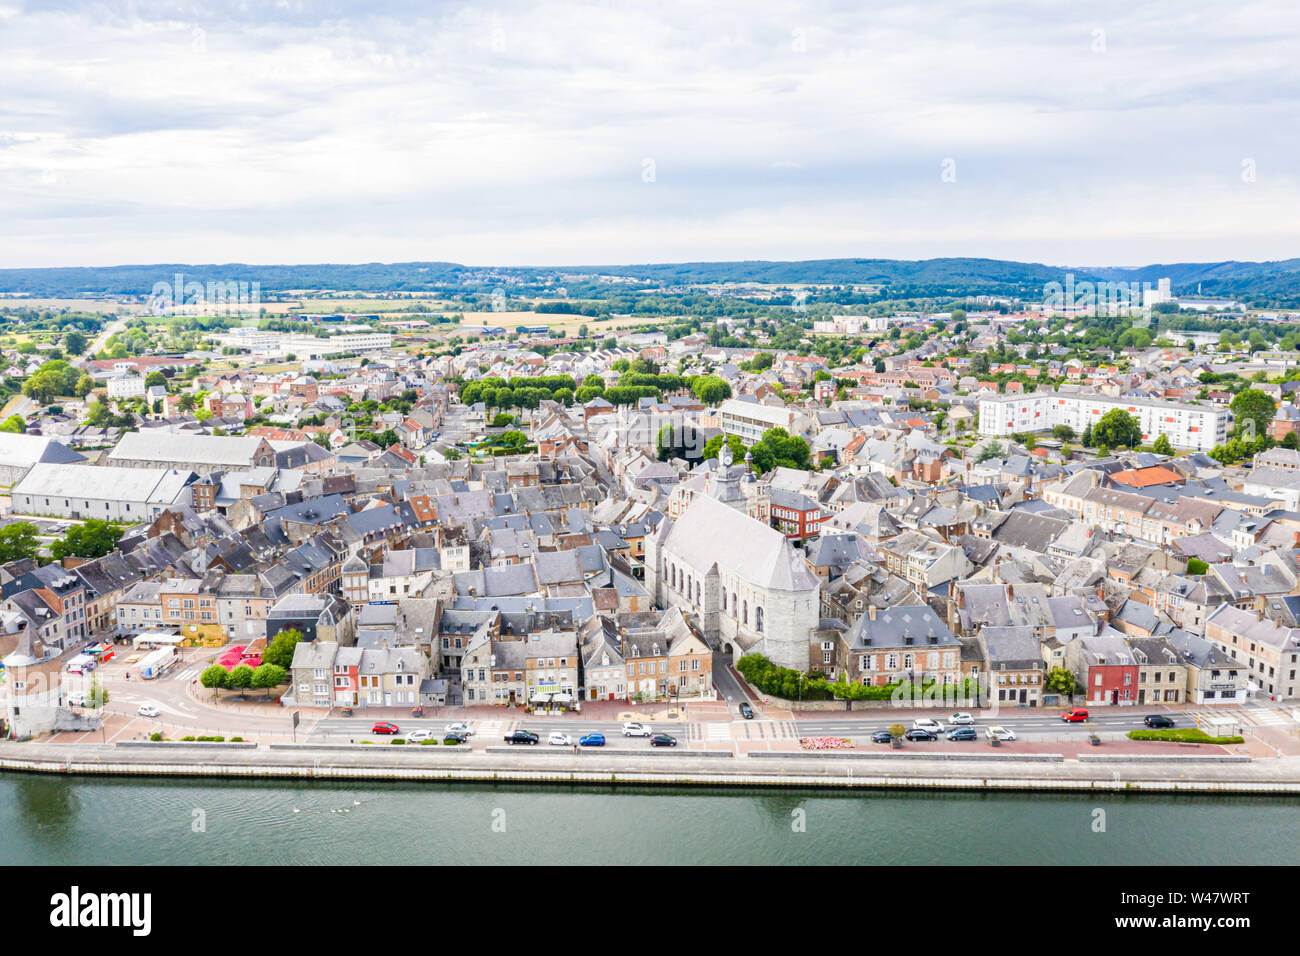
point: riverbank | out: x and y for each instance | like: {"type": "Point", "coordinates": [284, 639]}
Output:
{"type": "Point", "coordinates": [1095, 774]}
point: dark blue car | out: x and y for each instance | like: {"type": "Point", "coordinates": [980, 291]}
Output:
{"type": "Point", "coordinates": [592, 740]}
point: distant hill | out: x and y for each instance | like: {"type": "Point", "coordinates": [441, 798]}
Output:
{"type": "Point", "coordinates": [1270, 280]}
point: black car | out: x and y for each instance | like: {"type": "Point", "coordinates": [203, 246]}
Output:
{"type": "Point", "coordinates": [663, 740]}
{"type": "Point", "coordinates": [522, 737]}
{"type": "Point", "coordinates": [455, 738]}
{"type": "Point", "coordinates": [746, 711]}
{"type": "Point", "coordinates": [917, 733]}
{"type": "Point", "coordinates": [1158, 720]}
{"type": "Point", "coordinates": [882, 737]}
{"type": "Point", "coordinates": [962, 733]}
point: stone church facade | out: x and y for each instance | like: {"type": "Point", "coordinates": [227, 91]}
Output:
{"type": "Point", "coordinates": [748, 589]}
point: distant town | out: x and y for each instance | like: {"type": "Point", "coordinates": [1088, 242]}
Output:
{"type": "Point", "coordinates": [729, 516]}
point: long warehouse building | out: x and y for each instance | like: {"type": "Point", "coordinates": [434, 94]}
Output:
{"type": "Point", "coordinates": [92, 491]}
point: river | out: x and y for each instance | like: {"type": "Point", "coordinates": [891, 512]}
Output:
{"type": "Point", "coordinates": [92, 820]}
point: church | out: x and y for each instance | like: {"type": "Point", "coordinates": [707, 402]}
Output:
{"type": "Point", "coordinates": [746, 587]}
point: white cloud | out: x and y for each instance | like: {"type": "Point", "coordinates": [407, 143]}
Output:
{"type": "Point", "coordinates": [516, 134]}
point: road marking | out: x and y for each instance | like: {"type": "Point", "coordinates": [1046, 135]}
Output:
{"type": "Point", "coordinates": [719, 731]}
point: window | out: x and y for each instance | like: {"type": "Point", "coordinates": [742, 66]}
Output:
{"type": "Point", "coordinates": [758, 619]}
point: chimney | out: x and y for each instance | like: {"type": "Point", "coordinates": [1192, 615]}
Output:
{"type": "Point", "coordinates": [871, 612]}
{"type": "Point", "coordinates": [961, 598]}
{"type": "Point", "coordinates": [1011, 593]}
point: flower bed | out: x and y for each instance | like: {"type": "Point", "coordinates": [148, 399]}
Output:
{"type": "Point", "coordinates": [825, 743]}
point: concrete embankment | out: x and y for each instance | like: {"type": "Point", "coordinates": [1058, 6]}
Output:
{"type": "Point", "coordinates": [685, 768]}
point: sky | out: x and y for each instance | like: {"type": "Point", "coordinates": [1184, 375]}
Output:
{"type": "Point", "coordinates": [622, 131]}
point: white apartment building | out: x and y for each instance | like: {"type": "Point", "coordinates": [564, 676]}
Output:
{"type": "Point", "coordinates": [1186, 426]}
{"type": "Point", "coordinates": [126, 386]}
{"type": "Point", "coordinates": [748, 420]}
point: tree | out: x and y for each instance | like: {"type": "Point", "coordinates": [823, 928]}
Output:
{"type": "Point", "coordinates": [1291, 440]}
{"type": "Point", "coordinates": [91, 539]}
{"type": "Point", "coordinates": [74, 342]}
{"type": "Point", "coordinates": [993, 449]}
{"type": "Point", "coordinates": [41, 387]}
{"type": "Point", "coordinates": [15, 424]}
{"type": "Point", "coordinates": [268, 676]}
{"type": "Point", "coordinates": [215, 677]}
{"type": "Point", "coordinates": [779, 449]}
{"type": "Point", "coordinates": [1255, 407]}
{"type": "Point", "coordinates": [1117, 428]}
{"type": "Point", "coordinates": [1061, 681]}
{"type": "Point", "coordinates": [714, 445]}
{"type": "Point", "coordinates": [1086, 439]}
{"type": "Point", "coordinates": [710, 389]}
{"type": "Point", "coordinates": [280, 651]}
{"type": "Point", "coordinates": [18, 541]}
{"type": "Point", "coordinates": [386, 438]}
{"type": "Point", "coordinates": [98, 695]}
{"type": "Point", "coordinates": [97, 414]}
{"type": "Point", "coordinates": [514, 438]}
{"type": "Point", "coordinates": [85, 385]}
{"type": "Point", "coordinates": [241, 678]}
{"type": "Point", "coordinates": [1162, 445]}
{"type": "Point", "coordinates": [1197, 566]}
{"type": "Point", "coordinates": [1063, 432]}
{"type": "Point", "coordinates": [761, 361]}
{"type": "Point", "coordinates": [156, 378]}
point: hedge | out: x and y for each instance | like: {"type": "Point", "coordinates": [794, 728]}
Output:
{"type": "Point", "coordinates": [1183, 735]}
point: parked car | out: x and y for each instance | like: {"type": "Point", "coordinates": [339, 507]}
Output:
{"type": "Point", "coordinates": [453, 738]}
{"type": "Point", "coordinates": [522, 737]}
{"type": "Point", "coordinates": [149, 710]}
{"type": "Point", "coordinates": [462, 729]}
{"type": "Point", "coordinates": [917, 733]}
{"type": "Point", "coordinates": [960, 719]}
{"type": "Point", "coordinates": [591, 740]}
{"type": "Point", "coordinates": [882, 737]}
{"type": "Point", "coordinates": [1158, 720]}
{"type": "Point", "coordinates": [663, 740]}
{"type": "Point", "coordinates": [636, 730]}
{"type": "Point", "coordinates": [746, 711]}
{"type": "Point", "coordinates": [384, 727]}
{"type": "Point", "coordinates": [415, 736]}
{"type": "Point", "coordinates": [998, 733]}
{"type": "Point", "coordinates": [559, 740]}
{"type": "Point", "coordinates": [962, 733]}
{"type": "Point", "coordinates": [927, 723]}
{"type": "Point", "coordinates": [1074, 715]}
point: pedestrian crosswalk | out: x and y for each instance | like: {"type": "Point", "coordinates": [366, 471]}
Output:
{"type": "Point", "coordinates": [1249, 716]}
{"type": "Point", "coordinates": [186, 675]}
{"type": "Point", "coordinates": [717, 730]}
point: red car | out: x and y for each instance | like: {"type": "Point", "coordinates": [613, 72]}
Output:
{"type": "Point", "coordinates": [1074, 715]}
{"type": "Point", "coordinates": [383, 727]}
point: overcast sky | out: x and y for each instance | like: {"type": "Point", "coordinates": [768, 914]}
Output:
{"type": "Point", "coordinates": [618, 131]}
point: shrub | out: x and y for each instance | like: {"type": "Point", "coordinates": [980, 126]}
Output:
{"type": "Point", "coordinates": [398, 740]}
{"type": "Point", "coordinates": [450, 743]}
{"type": "Point", "coordinates": [236, 740]}
{"type": "Point", "coordinates": [1183, 735]}
{"type": "Point", "coordinates": [425, 743]}
{"type": "Point", "coordinates": [190, 737]}
{"type": "Point", "coordinates": [155, 736]}
{"type": "Point", "coordinates": [896, 731]}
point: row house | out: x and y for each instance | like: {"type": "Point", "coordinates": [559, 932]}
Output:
{"type": "Point", "coordinates": [903, 643]}
{"type": "Point", "coordinates": [1269, 652]}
